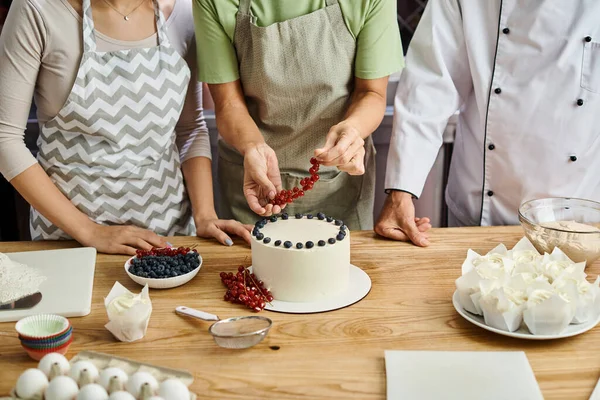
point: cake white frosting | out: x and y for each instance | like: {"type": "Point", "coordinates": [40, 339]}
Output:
{"type": "Point", "coordinates": [301, 259]}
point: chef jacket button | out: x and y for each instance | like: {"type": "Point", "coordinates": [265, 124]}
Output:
{"type": "Point", "coordinates": [497, 90]}
{"type": "Point", "coordinates": [573, 158]}
{"type": "Point", "coordinates": [491, 146]}
{"type": "Point", "coordinates": [506, 31]}
{"type": "Point", "coordinates": [490, 193]}
{"type": "Point", "coordinates": [588, 39]}
{"type": "Point", "coordinates": [579, 102]}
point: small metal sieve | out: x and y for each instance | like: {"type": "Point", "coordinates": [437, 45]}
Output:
{"type": "Point", "coordinates": [232, 333]}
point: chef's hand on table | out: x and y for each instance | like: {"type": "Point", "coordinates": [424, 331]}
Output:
{"type": "Point", "coordinates": [210, 226]}
{"type": "Point", "coordinates": [397, 220]}
{"type": "Point", "coordinates": [262, 180]}
{"type": "Point", "coordinates": [120, 239]}
{"type": "Point", "coordinates": [344, 149]}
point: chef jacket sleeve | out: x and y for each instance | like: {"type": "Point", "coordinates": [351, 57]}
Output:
{"type": "Point", "coordinates": [192, 133]}
{"type": "Point", "coordinates": [432, 87]}
{"type": "Point", "coordinates": [21, 47]}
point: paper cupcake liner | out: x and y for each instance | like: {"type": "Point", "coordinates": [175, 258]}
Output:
{"type": "Point", "coordinates": [51, 350]}
{"type": "Point", "coordinates": [43, 346]}
{"type": "Point", "coordinates": [550, 317]}
{"type": "Point", "coordinates": [38, 354]}
{"type": "Point", "coordinates": [43, 326]}
{"type": "Point", "coordinates": [52, 340]}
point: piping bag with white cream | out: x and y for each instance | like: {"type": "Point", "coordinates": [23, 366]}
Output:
{"type": "Point", "coordinates": [128, 313]}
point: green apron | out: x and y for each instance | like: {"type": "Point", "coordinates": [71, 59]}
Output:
{"type": "Point", "coordinates": [297, 77]}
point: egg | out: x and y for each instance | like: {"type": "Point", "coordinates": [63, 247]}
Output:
{"type": "Point", "coordinates": [137, 380]}
{"type": "Point", "coordinates": [155, 398]}
{"type": "Point", "coordinates": [113, 374]}
{"type": "Point", "coordinates": [92, 391]}
{"type": "Point", "coordinates": [31, 383]}
{"type": "Point", "coordinates": [47, 363]}
{"type": "Point", "coordinates": [121, 395]}
{"type": "Point", "coordinates": [173, 389]}
{"type": "Point", "coordinates": [84, 372]}
{"type": "Point", "coordinates": [61, 388]}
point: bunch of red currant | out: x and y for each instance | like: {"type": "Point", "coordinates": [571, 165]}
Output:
{"type": "Point", "coordinates": [245, 288]}
{"type": "Point", "coordinates": [166, 251]}
{"type": "Point", "coordinates": [288, 196]}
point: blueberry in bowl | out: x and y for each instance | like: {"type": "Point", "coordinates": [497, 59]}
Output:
{"type": "Point", "coordinates": [164, 268]}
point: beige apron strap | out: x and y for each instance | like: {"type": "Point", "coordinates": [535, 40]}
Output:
{"type": "Point", "coordinates": [245, 6]}
{"type": "Point", "coordinates": [331, 2]}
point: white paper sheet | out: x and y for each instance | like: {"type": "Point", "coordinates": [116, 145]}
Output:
{"type": "Point", "coordinates": [455, 375]}
{"type": "Point", "coordinates": [596, 393]}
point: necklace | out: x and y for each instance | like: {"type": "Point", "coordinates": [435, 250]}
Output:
{"type": "Point", "coordinates": [125, 16]}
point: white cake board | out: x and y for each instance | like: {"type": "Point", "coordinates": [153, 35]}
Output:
{"type": "Point", "coordinates": [358, 287]}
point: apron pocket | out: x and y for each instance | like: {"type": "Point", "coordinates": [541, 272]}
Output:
{"type": "Point", "coordinates": [590, 71]}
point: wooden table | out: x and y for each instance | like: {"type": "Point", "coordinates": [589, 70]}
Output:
{"type": "Point", "coordinates": [335, 355]}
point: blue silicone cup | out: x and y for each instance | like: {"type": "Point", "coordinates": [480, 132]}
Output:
{"type": "Point", "coordinates": [47, 346]}
{"type": "Point", "coordinates": [51, 342]}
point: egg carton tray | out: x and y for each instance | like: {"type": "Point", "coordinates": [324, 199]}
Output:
{"type": "Point", "coordinates": [102, 361]}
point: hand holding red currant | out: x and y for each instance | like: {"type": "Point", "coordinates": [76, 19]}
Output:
{"type": "Point", "coordinates": [344, 149]}
{"type": "Point", "coordinates": [261, 179]}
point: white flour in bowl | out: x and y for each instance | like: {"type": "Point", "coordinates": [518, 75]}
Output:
{"type": "Point", "coordinates": [17, 280]}
{"type": "Point", "coordinates": [570, 226]}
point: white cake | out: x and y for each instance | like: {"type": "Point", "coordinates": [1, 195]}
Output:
{"type": "Point", "coordinates": [301, 258]}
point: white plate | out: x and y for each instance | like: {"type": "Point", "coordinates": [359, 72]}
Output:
{"type": "Point", "coordinates": [522, 333]}
{"type": "Point", "coordinates": [164, 283]}
{"type": "Point", "coordinates": [359, 286]}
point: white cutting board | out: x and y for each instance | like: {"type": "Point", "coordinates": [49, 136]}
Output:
{"type": "Point", "coordinates": [460, 375]}
{"type": "Point", "coordinates": [67, 290]}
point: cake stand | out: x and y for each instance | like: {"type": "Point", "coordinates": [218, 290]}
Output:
{"type": "Point", "coordinates": [358, 287]}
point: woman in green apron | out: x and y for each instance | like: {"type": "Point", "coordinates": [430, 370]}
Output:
{"type": "Point", "coordinates": [292, 80]}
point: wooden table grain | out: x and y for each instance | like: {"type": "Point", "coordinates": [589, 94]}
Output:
{"type": "Point", "coordinates": [335, 355]}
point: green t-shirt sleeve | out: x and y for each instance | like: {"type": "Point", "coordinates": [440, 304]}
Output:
{"type": "Point", "coordinates": [379, 47]}
{"type": "Point", "coordinates": [217, 60]}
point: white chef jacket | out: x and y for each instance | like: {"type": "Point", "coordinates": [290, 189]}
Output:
{"type": "Point", "coordinates": [525, 76]}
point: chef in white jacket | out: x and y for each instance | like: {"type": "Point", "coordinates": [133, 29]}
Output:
{"type": "Point", "coordinates": [525, 76]}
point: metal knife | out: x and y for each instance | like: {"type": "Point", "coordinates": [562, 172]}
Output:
{"type": "Point", "coordinates": [23, 303]}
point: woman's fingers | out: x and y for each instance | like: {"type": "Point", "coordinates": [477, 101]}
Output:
{"type": "Point", "coordinates": [235, 228]}
{"type": "Point", "coordinates": [123, 249]}
{"type": "Point", "coordinates": [151, 238]}
{"type": "Point", "coordinates": [214, 231]}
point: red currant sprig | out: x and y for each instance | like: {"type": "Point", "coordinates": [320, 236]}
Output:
{"type": "Point", "coordinates": [245, 288]}
{"type": "Point", "coordinates": [167, 251]}
{"type": "Point", "coordinates": [288, 196]}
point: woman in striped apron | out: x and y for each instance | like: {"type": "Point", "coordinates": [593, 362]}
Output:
{"type": "Point", "coordinates": [112, 152]}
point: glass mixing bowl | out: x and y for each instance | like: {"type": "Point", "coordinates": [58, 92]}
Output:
{"type": "Point", "coordinates": [578, 245]}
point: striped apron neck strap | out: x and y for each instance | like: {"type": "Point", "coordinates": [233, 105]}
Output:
{"type": "Point", "coordinates": [161, 30]}
{"type": "Point", "coordinates": [89, 37]}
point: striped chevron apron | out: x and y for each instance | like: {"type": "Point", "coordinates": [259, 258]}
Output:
{"type": "Point", "coordinates": [111, 149]}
